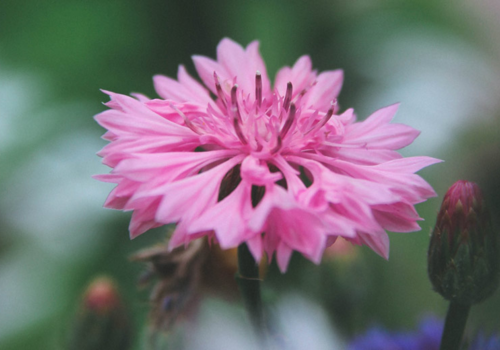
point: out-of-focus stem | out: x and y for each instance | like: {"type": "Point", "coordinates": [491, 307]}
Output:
{"type": "Point", "coordinates": [249, 283]}
{"type": "Point", "coordinates": [454, 326]}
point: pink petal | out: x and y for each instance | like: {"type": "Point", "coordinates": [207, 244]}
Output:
{"type": "Point", "coordinates": [230, 230]}
{"type": "Point", "coordinates": [170, 166]}
{"type": "Point", "coordinates": [408, 164]}
{"type": "Point", "coordinates": [233, 58]}
{"type": "Point", "coordinates": [181, 236]}
{"type": "Point", "coordinates": [140, 120]}
{"type": "Point", "coordinates": [325, 91]}
{"type": "Point", "coordinates": [107, 178]}
{"type": "Point", "coordinates": [301, 76]}
{"type": "Point", "coordinates": [377, 119]}
{"type": "Point", "coordinates": [143, 219]}
{"type": "Point", "coordinates": [202, 189]}
{"type": "Point", "coordinates": [379, 243]}
{"type": "Point", "coordinates": [206, 68]}
{"type": "Point", "coordinates": [186, 91]}
{"type": "Point", "coordinates": [376, 132]}
{"type": "Point", "coordinates": [358, 213]}
{"type": "Point", "coordinates": [294, 184]}
{"type": "Point", "coordinates": [338, 186]}
{"type": "Point", "coordinates": [256, 63]}
{"type": "Point", "coordinates": [140, 97]}
{"type": "Point", "coordinates": [397, 217]}
{"type": "Point", "coordinates": [396, 173]}
{"type": "Point", "coordinates": [257, 172]}
{"type": "Point", "coordinates": [284, 220]}
{"type": "Point", "coordinates": [365, 156]}
{"type": "Point", "coordinates": [115, 201]}
{"type": "Point", "coordinates": [123, 148]}
{"type": "Point", "coordinates": [120, 195]}
{"type": "Point", "coordinates": [199, 93]}
{"type": "Point", "coordinates": [391, 136]}
{"type": "Point", "coordinates": [255, 246]}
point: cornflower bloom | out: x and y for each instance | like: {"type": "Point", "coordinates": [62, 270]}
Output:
{"type": "Point", "coordinates": [278, 169]}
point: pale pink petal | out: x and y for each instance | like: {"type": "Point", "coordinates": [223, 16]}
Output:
{"type": "Point", "coordinates": [181, 236]}
{"type": "Point", "coordinates": [409, 164]}
{"type": "Point", "coordinates": [294, 184]}
{"type": "Point", "coordinates": [139, 120]}
{"type": "Point", "coordinates": [283, 255]}
{"type": "Point", "coordinates": [230, 230]}
{"type": "Point", "coordinates": [365, 156]}
{"type": "Point", "coordinates": [186, 89]}
{"type": "Point", "coordinates": [391, 136]}
{"type": "Point", "coordinates": [300, 75]}
{"type": "Point", "coordinates": [358, 213]}
{"type": "Point", "coordinates": [325, 90]}
{"type": "Point", "coordinates": [284, 220]}
{"type": "Point", "coordinates": [115, 201]}
{"type": "Point", "coordinates": [172, 110]}
{"type": "Point", "coordinates": [397, 217]}
{"type": "Point", "coordinates": [197, 90]}
{"type": "Point", "coordinates": [140, 97]}
{"type": "Point", "coordinates": [256, 63]}
{"type": "Point", "coordinates": [257, 172]}
{"type": "Point", "coordinates": [143, 219]}
{"type": "Point", "coordinates": [107, 178]}
{"type": "Point", "coordinates": [397, 173]}
{"type": "Point", "coordinates": [170, 166]}
{"type": "Point", "coordinates": [171, 89]}
{"type": "Point", "coordinates": [123, 148]}
{"type": "Point", "coordinates": [206, 68]}
{"type": "Point", "coordinates": [377, 119]}
{"type": "Point", "coordinates": [120, 195]}
{"type": "Point", "coordinates": [376, 132]}
{"type": "Point", "coordinates": [202, 189]}
{"type": "Point", "coordinates": [379, 243]}
{"type": "Point", "coordinates": [233, 58]}
{"type": "Point", "coordinates": [255, 246]}
{"type": "Point", "coordinates": [337, 186]}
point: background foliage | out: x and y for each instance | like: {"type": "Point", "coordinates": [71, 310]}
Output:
{"type": "Point", "coordinates": [440, 60]}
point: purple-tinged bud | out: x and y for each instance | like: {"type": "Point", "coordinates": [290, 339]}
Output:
{"type": "Point", "coordinates": [464, 255]}
{"type": "Point", "coordinates": [101, 322]}
{"type": "Point", "coordinates": [101, 296]}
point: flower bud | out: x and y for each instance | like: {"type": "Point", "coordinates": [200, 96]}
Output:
{"type": "Point", "coordinates": [464, 256]}
{"type": "Point", "coordinates": [101, 322]}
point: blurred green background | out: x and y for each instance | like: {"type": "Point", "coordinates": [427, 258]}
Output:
{"type": "Point", "coordinates": [439, 59]}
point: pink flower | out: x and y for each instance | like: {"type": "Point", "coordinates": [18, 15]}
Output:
{"type": "Point", "coordinates": [279, 169]}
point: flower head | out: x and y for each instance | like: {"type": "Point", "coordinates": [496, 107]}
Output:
{"type": "Point", "coordinates": [102, 296]}
{"type": "Point", "coordinates": [102, 321]}
{"type": "Point", "coordinates": [278, 168]}
{"type": "Point", "coordinates": [463, 259]}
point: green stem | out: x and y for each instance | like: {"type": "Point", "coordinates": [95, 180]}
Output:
{"type": "Point", "coordinates": [454, 326]}
{"type": "Point", "coordinates": [249, 283]}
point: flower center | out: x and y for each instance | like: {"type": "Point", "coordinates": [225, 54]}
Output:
{"type": "Point", "coordinates": [263, 123]}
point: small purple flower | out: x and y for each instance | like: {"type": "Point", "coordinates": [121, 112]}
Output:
{"type": "Point", "coordinates": [483, 342]}
{"type": "Point", "coordinates": [426, 337]}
